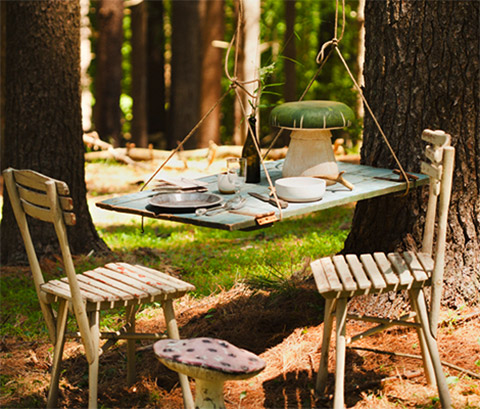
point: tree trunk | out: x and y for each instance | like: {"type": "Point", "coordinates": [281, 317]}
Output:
{"type": "Point", "coordinates": [290, 52]}
{"type": "Point", "coordinates": [186, 62]}
{"type": "Point", "coordinates": [139, 75]}
{"type": "Point", "coordinates": [107, 113]}
{"type": "Point", "coordinates": [251, 58]}
{"type": "Point", "coordinates": [3, 26]}
{"type": "Point", "coordinates": [238, 126]}
{"type": "Point", "coordinates": [43, 117]}
{"type": "Point", "coordinates": [421, 71]}
{"type": "Point", "coordinates": [212, 70]}
{"type": "Point", "coordinates": [156, 115]}
{"type": "Point", "coordinates": [85, 60]}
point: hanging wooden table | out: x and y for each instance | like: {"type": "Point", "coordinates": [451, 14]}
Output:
{"type": "Point", "coordinates": [369, 182]}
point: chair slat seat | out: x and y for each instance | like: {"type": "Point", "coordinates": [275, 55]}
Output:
{"type": "Point", "coordinates": [167, 283]}
{"type": "Point", "coordinates": [120, 283]}
{"type": "Point", "coordinates": [368, 263]}
{"type": "Point", "coordinates": [124, 286]}
{"type": "Point", "coordinates": [343, 276]}
{"type": "Point", "coordinates": [96, 287]}
{"type": "Point", "coordinates": [405, 278]}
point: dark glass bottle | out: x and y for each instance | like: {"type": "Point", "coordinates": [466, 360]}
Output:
{"type": "Point", "coordinates": [250, 153]}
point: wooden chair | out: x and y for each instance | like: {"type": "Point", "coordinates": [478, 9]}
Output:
{"type": "Point", "coordinates": [341, 277]}
{"type": "Point", "coordinates": [104, 288]}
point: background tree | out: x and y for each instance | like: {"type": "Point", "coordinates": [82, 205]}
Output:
{"type": "Point", "coordinates": [139, 74]}
{"type": "Point", "coordinates": [43, 116]}
{"type": "Point", "coordinates": [107, 113]}
{"type": "Point", "coordinates": [186, 74]}
{"type": "Point", "coordinates": [212, 17]}
{"type": "Point", "coordinates": [156, 115]}
{"type": "Point", "coordinates": [421, 71]}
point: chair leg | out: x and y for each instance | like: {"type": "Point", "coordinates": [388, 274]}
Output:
{"type": "Point", "coordinates": [431, 343]}
{"type": "Point", "coordinates": [57, 354]}
{"type": "Point", "coordinates": [130, 317]}
{"type": "Point", "coordinates": [93, 366]}
{"type": "Point", "coordinates": [327, 333]}
{"type": "Point", "coordinates": [427, 360]}
{"type": "Point", "coordinates": [172, 330]}
{"type": "Point", "coordinates": [341, 318]}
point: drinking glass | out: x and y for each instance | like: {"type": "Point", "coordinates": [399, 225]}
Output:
{"type": "Point", "coordinates": [237, 174]}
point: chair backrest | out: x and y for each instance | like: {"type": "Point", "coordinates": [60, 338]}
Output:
{"type": "Point", "coordinates": [46, 199]}
{"type": "Point", "coordinates": [440, 170]}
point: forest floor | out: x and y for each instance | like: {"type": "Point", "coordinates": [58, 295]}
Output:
{"type": "Point", "coordinates": [283, 328]}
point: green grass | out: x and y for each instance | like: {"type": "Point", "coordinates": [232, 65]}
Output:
{"type": "Point", "coordinates": [215, 259]}
{"type": "Point", "coordinates": [212, 260]}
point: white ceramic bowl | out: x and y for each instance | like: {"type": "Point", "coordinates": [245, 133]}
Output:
{"type": "Point", "coordinates": [300, 189]}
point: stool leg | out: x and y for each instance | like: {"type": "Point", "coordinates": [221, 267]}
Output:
{"type": "Point", "coordinates": [341, 318]}
{"type": "Point", "coordinates": [427, 361]}
{"type": "Point", "coordinates": [327, 333]}
{"type": "Point", "coordinates": [173, 333]}
{"type": "Point", "coordinates": [431, 342]}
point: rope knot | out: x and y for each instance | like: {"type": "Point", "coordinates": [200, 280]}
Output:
{"type": "Point", "coordinates": [333, 43]}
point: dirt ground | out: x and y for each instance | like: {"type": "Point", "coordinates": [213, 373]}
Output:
{"type": "Point", "coordinates": [283, 328]}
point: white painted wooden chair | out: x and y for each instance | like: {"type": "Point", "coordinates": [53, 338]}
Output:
{"type": "Point", "coordinates": [341, 277]}
{"type": "Point", "coordinates": [112, 286]}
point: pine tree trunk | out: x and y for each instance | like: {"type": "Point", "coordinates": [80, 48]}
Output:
{"type": "Point", "coordinates": [3, 32]}
{"type": "Point", "coordinates": [139, 75]}
{"type": "Point", "coordinates": [251, 59]}
{"type": "Point", "coordinates": [212, 71]}
{"type": "Point", "coordinates": [156, 114]}
{"type": "Point", "coordinates": [107, 113]}
{"type": "Point", "coordinates": [290, 52]}
{"type": "Point", "coordinates": [421, 71]}
{"type": "Point", "coordinates": [43, 117]}
{"type": "Point", "coordinates": [186, 61]}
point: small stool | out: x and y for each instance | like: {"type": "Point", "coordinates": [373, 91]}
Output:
{"type": "Point", "coordinates": [310, 152]}
{"type": "Point", "coordinates": [210, 362]}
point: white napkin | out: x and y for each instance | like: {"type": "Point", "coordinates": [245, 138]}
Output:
{"type": "Point", "coordinates": [180, 183]}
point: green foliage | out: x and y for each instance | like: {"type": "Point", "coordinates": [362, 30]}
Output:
{"type": "Point", "coordinates": [215, 259]}
{"type": "Point", "coordinates": [313, 26]}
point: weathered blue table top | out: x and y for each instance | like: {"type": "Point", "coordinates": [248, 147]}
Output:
{"type": "Point", "coordinates": [364, 178]}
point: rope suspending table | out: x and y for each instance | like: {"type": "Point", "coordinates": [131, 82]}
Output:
{"type": "Point", "coordinates": [369, 182]}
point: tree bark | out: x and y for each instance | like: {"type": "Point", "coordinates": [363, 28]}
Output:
{"type": "Point", "coordinates": [43, 117]}
{"type": "Point", "coordinates": [421, 71]}
{"type": "Point", "coordinates": [251, 59]}
{"type": "Point", "coordinates": [238, 128]}
{"type": "Point", "coordinates": [212, 71]}
{"type": "Point", "coordinates": [156, 114]}
{"type": "Point", "coordinates": [290, 52]}
{"type": "Point", "coordinates": [85, 60]}
{"type": "Point", "coordinates": [3, 26]}
{"type": "Point", "coordinates": [139, 75]}
{"type": "Point", "coordinates": [186, 62]}
{"type": "Point", "coordinates": [107, 113]}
